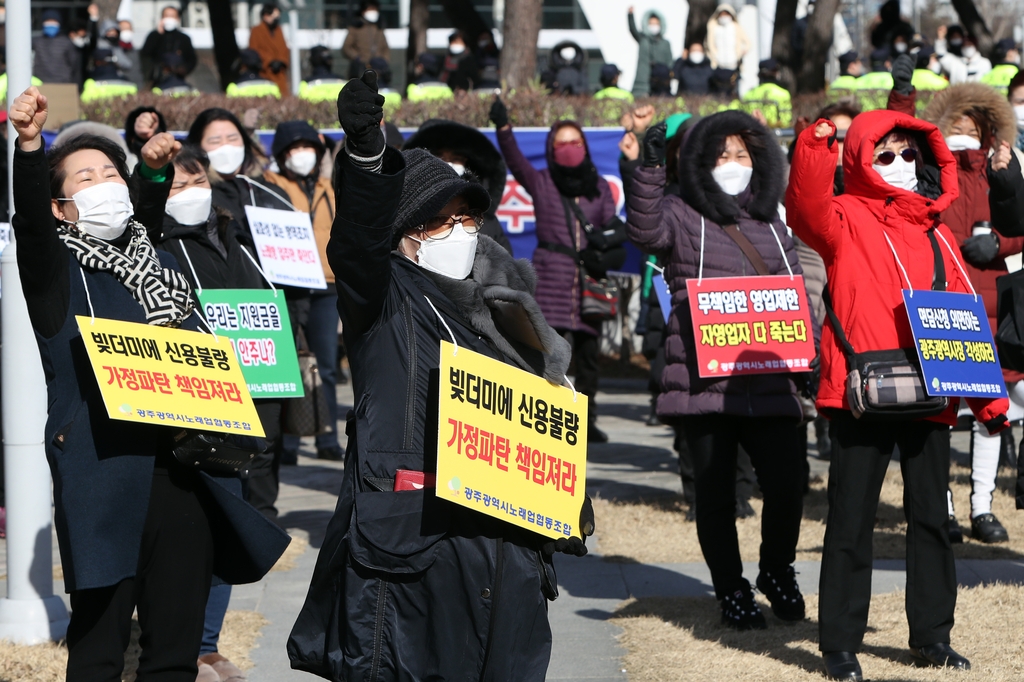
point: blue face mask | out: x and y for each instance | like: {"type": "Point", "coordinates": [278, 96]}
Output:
{"type": "Point", "coordinates": [50, 30]}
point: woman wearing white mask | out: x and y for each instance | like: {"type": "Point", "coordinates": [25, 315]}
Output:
{"type": "Point", "coordinates": [730, 176]}
{"type": "Point", "coordinates": [440, 592]}
{"type": "Point", "coordinates": [966, 67]}
{"type": "Point", "coordinates": [136, 529]}
{"type": "Point", "coordinates": [653, 48]}
{"type": "Point", "coordinates": [726, 41]}
{"type": "Point", "coordinates": [1015, 93]}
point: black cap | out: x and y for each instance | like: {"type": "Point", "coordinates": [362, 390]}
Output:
{"type": "Point", "coordinates": [251, 59]}
{"type": "Point", "coordinates": [51, 15]}
{"type": "Point", "coordinates": [609, 71]}
{"type": "Point", "coordinates": [880, 56]}
{"type": "Point", "coordinates": [290, 132]}
{"type": "Point", "coordinates": [768, 65]}
{"type": "Point", "coordinates": [430, 63]}
{"type": "Point", "coordinates": [320, 55]}
{"type": "Point", "coordinates": [102, 54]}
{"type": "Point", "coordinates": [846, 59]}
{"type": "Point", "coordinates": [1005, 45]}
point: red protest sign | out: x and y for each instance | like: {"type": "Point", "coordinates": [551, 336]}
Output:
{"type": "Point", "coordinates": [751, 325]}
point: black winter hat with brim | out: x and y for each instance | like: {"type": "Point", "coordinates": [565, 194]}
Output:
{"type": "Point", "coordinates": [290, 132]}
{"type": "Point", "coordinates": [430, 183]}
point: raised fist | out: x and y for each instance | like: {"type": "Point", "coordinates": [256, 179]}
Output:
{"type": "Point", "coordinates": [28, 116]}
{"type": "Point", "coordinates": [160, 150]}
{"type": "Point", "coordinates": [360, 111]}
{"type": "Point", "coordinates": [146, 125]}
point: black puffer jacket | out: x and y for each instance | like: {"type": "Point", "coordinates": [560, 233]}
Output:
{"type": "Point", "coordinates": [408, 587]}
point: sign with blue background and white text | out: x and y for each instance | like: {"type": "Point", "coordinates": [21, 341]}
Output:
{"type": "Point", "coordinates": [954, 344]}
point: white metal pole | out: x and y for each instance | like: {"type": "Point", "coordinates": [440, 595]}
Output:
{"type": "Point", "coordinates": [293, 21]}
{"type": "Point", "coordinates": [30, 614]}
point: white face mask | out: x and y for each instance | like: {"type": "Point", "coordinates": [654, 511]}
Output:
{"type": "Point", "coordinates": [1019, 111]}
{"type": "Point", "coordinates": [458, 168]}
{"type": "Point", "coordinates": [452, 256]}
{"type": "Point", "coordinates": [567, 53]}
{"type": "Point", "coordinates": [724, 19]}
{"type": "Point", "coordinates": [103, 209]}
{"type": "Point", "coordinates": [654, 29]}
{"type": "Point", "coordinates": [696, 57]}
{"type": "Point", "coordinates": [969, 51]}
{"type": "Point", "coordinates": [79, 41]}
{"type": "Point", "coordinates": [900, 47]}
{"type": "Point", "coordinates": [457, 48]}
{"type": "Point", "coordinates": [958, 143]}
{"type": "Point", "coordinates": [170, 24]}
{"type": "Point", "coordinates": [190, 207]}
{"type": "Point", "coordinates": [227, 158]}
{"type": "Point", "coordinates": [126, 37]}
{"type": "Point", "coordinates": [371, 15]}
{"type": "Point", "coordinates": [900, 174]}
{"type": "Point", "coordinates": [732, 177]}
{"type": "Point", "coordinates": [935, 67]}
{"type": "Point", "coordinates": [301, 162]}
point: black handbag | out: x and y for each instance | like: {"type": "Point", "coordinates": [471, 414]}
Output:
{"type": "Point", "coordinates": [604, 250]}
{"type": "Point", "coordinates": [217, 453]}
{"type": "Point", "coordinates": [308, 415]}
{"type": "Point", "coordinates": [1010, 330]}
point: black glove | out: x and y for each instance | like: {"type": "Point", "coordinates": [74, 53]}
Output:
{"type": "Point", "coordinates": [360, 111]}
{"type": "Point", "coordinates": [499, 114]}
{"type": "Point", "coordinates": [575, 545]}
{"type": "Point", "coordinates": [654, 146]}
{"type": "Point", "coordinates": [277, 66]}
{"type": "Point", "coordinates": [902, 73]}
{"type": "Point", "coordinates": [981, 249]}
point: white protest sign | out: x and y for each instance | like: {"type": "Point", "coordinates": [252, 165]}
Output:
{"type": "Point", "coordinates": [286, 247]}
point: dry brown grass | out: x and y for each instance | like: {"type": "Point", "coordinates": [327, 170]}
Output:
{"type": "Point", "coordinates": [297, 547]}
{"type": "Point", "coordinates": [653, 530]}
{"type": "Point", "coordinates": [681, 639]}
{"type": "Point", "coordinates": [47, 662]}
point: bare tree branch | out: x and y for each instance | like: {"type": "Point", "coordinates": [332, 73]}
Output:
{"type": "Point", "coordinates": [811, 76]}
{"type": "Point", "coordinates": [975, 24]}
{"type": "Point", "coordinates": [697, 20]}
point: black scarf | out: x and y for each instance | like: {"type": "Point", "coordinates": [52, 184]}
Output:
{"type": "Point", "coordinates": [575, 181]}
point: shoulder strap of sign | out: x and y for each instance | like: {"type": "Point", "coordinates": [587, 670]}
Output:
{"type": "Point", "coordinates": [939, 273]}
{"type": "Point", "coordinates": [747, 248]}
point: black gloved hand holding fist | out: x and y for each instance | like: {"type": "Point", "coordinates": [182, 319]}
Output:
{"type": "Point", "coordinates": [902, 73]}
{"type": "Point", "coordinates": [654, 146]}
{"type": "Point", "coordinates": [499, 114]}
{"type": "Point", "coordinates": [277, 66]}
{"type": "Point", "coordinates": [574, 545]}
{"type": "Point", "coordinates": [981, 249]}
{"type": "Point", "coordinates": [360, 111]}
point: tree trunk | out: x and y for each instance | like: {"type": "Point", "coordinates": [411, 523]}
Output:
{"type": "Point", "coordinates": [225, 49]}
{"type": "Point", "coordinates": [975, 24]}
{"type": "Point", "coordinates": [811, 76]}
{"type": "Point", "coordinates": [785, 17]}
{"type": "Point", "coordinates": [697, 21]}
{"type": "Point", "coordinates": [464, 17]}
{"type": "Point", "coordinates": [519, 51]}
{"type": "Point", "coordinates": [419, 19]}
{"type": "Point", "coordinates": [108, 9]}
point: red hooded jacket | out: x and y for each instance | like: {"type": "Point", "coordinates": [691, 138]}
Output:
{"type": "Point", "coordinates": [849, 231]}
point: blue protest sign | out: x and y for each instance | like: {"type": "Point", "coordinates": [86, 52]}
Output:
{"type": "Point", "coordinates": [954, 344]}
{"type": "Point", "coordinates": [664, 295]}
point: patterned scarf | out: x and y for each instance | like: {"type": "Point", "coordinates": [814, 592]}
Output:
{"type": "Point", "coordinates": [164, 294]}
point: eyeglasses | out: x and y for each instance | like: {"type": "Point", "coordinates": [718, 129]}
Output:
{"type": "Point", "coordinates": [887, 157]}
{"type": "Point", "coordinates": [441, 226]}
{"type": "Point", "coordinates": [568, 143]}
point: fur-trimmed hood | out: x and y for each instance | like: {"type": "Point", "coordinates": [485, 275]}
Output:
{"type": "Point", "coordinates": [497, 301]}
{"type": "Point", "coordinates": [699, 154]}
{"type": "Point", "coordinates": [947, 106]}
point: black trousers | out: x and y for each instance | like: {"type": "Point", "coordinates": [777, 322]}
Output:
{"type": "Point", "coordinates": [744, 470]}
{"type": "Point", "coordinates": [584, 351]}
{"type": "Point", "coordinates": [263, 478]}
{"type": "Point", "coordinates": [774, 448]}
{"type": "Point", "coordinates": [860, 457]}
{"type": "Point", "coordinates": [169, 589]}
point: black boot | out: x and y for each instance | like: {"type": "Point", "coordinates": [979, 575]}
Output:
{"type": "Point", "coordinates": [956, 535]}
{"type": "Point", "coordinates": [652, 418]}
{"type": "Point", "coordinates": [1007, 449]}
{"type": "Point", "coordinates": [986, 527]}
{"type": "Point", "coordinates": [842, 665]}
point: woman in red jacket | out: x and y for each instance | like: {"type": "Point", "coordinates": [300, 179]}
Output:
{"type": "Point", "coordinates": [876, 239]}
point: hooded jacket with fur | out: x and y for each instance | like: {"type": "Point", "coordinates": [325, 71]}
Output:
{"type": "Point", "coordinates": [849, 231]}
{"type": "Point", "coordinates": [671, 227]}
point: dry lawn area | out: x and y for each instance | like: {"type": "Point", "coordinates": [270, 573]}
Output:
{"type": "Point", "coordinates": [654, 529]}
{"type": "Point", "coordinates": [680, 639]}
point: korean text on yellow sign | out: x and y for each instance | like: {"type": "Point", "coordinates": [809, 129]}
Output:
{"type": "Point", "coordinates": [510, 444]}
{"type": "Point", "coordinates": [171, 377]}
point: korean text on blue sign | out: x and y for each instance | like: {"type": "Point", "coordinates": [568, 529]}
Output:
{"type": "Point", "coordinates": [954, 343]}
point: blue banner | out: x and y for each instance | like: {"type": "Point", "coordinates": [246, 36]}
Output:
{"type": "Point", "coordinates": [954, 344]}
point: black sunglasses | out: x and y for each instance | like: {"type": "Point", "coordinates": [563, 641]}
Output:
{"type": "Point", "coordinates": [887, 157]}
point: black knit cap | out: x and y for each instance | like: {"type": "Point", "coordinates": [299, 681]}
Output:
{"type": "Point", "coordinates": [430, 183]}
{"type": "Point", "coordinates": [290, 132]}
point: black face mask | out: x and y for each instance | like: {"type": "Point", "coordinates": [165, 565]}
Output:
{"type": "Point", "coordinates": [274, 24]}
{"type": "Point", "coordinates": [838, 187]}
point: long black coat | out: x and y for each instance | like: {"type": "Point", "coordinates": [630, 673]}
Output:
{"type": "Point", "coordinates": [408, 587]}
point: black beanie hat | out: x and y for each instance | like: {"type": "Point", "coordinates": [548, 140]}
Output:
{"type": "Point", "coordinates": [430, 183]}
{"type": "Point", "coordinates": [290, 132]}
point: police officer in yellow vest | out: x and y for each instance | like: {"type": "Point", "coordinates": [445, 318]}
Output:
{"type": "Point", "coordinates": [323, 85]}
{"type": "Point", "coordinates": [772, 99]}
{"type": "Point", "coordinates": [873, 87]}
{"type": "Point", "coordinates": [1007, 59]}
{"type": "Point", "coordinates": [928, 71]}
{"type": "Point", "coordinates": [249, 83]}
{"type": "Point", "coordinates": [610, 85]}
{"type": "Point", "coordinates": [426, 82]}
{"type": "Point", "coordinates": [106, 81]}
{"type": "Point", "coordinates": [850, 69]}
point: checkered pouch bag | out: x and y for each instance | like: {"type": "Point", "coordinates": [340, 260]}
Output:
{"type": "Point", "coordinates": [888, 384]}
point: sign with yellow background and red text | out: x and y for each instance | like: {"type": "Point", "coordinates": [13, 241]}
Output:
{"type": "Point", "coordinates": [171, 377]}
{"type": "Point", "coordinates": [510, 444]}
{"type": "Point", "coordinates": [751, 325]}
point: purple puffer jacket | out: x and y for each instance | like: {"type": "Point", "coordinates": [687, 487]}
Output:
{"type": "Point", "coordinates": [671, 228]}
{"type": "Point", "coordinates": [558, 282]}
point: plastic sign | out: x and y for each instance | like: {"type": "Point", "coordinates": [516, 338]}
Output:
{"type": "Point", "coordinates": [664, 295]}
{"type": "Point", "coordinates": [954, 344]}
{"type": "Point", "coordinates": [286, 247]}
{"type": "Point", "coordinates": [256, 321]}
{"type": "Point", "coordinates": [751, 325]}
{"type": "Point", "coordinates": [510, 444]}
{"type": "Point", "coordinates": [171, 377]}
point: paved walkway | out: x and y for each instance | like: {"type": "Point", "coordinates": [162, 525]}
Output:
{"type": "Point", "coordinates": [638, 461]}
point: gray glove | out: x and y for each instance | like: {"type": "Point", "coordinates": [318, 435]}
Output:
{"type": "Point", "coordinates": [902, 73]}
{"type": "Point", "coordinates": [981, 249]}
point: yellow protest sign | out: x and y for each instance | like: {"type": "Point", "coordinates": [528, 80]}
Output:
{"type": "Point", "coordinates": [509, 444]}
{"type": "Point", "coordinates": [171, 377]}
